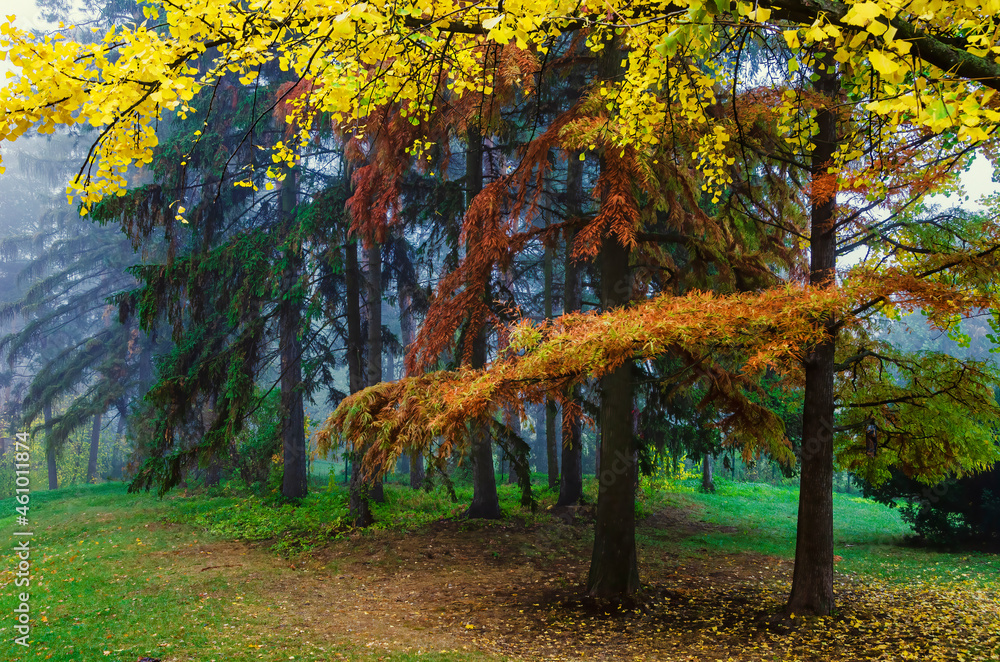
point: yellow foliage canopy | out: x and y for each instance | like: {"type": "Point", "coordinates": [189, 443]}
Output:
{"type": "Point", "coordinates": [927, 62]}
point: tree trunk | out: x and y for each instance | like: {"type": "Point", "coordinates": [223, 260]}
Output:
{"type": "Point", "coordinates": [359, 507]}
{"type": "Point", "coordinates": [374, 368]}
{"type": "Point", "coordinates": [352, 287]}
{"type": "Point", "coordinates": [295, 482]}
{"type": "Point", "coordinates": [406, 333]}
{"type": "Point", "coordinates": [812, 581]}
{"type": "Point", "coordinates": [571, 483]}
{"type": "Point", "coordinates": [707, 482]}
{"type": "Point", "coordinates": [485, 502]}
{"type": "Point", "coordinates": [614, 570]}
{"type": "Point", "coordinates": [50, 449]}
{"type": "Point", "coordinates": [551, 444]}
{"type": "Point", "coordinates": [95, 442]}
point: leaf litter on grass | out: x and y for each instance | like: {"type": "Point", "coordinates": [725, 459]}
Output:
{"type": "Point", "coordinates": [512, 590]}
{"type": "Point", "coordinates": [516, 590]}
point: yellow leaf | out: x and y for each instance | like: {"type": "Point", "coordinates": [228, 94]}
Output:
{"type": "Point", "coordinates": [863, 13]}
{"type": "Point", "coordinates": [491, 23]}
{"type": "Point", "coordinates": [882, 64]}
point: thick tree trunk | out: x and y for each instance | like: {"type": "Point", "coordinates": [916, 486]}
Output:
{"type": "Point", "coordinates": [485, 502]}
{"type": "Point", "coordinates": [95, 442]}
{"type": "Point", "coordinates": [358, 505]}
{"type": "Point", "coordinates": [614, 570]}
{"type": "Point", "coordinates": [707, 481]}
{"type": "Point", "coordinates": [294, 484]}
{"type": "Point", "coordinates": [812, 581]}
{"type": "Point", "coordinates": [374, 368]}
{"type": "Point", "coordinates": [571, 482]}
{"type": "Point", "coordinates": [50, 449]}
{"type": "Point", "coordinates": [418, 475]}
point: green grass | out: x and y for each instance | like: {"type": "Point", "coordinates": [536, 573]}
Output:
{"type": "Point", "coordinates": [111, 581]}
{"type": "Point", "coordinates": [870, 538]}
{"type": "Point", "coordinates": [122, 573]}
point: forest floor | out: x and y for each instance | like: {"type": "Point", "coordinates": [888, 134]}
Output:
{"type": "Point", "coordinates": [120, 577]}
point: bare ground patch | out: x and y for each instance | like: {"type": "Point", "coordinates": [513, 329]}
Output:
{"type": "Point", "coordinates": [516, 590]}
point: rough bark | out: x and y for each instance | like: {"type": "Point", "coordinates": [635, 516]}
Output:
{"type": "Point", "coordinates": [406, 332]}
{"type": "Point", "coordinates": [614, 572]}
{"type": "Point", "coordinates": [485, 502]}
{"type": "Point", "coordinates": [294, 483]}
{"type": "Point", "coordinates": [352, 287]}
{"type": "Point", "coordinates": [571, 479]}
{"type": "Point", "coordinates": [358, 504]}
{"type": "Point", "coordinates": [50, 449]}
{"type": "Point", "coordinates": [374, 368]}
{"type": "Point", "coordinates": [707, 480]}
{"type": "Point", "coordinates": [551, 444]}
{"type": "Point", "coordinates": [95, 442]}
{"type": "Point", "coordinates": [812, 581]}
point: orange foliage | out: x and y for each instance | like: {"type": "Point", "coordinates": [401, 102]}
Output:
{"type": "Point", "coordinates": [461, 294]}
{"type": "Point", "coordinates": [378, 185]}
{"type": "Point", "coordinates": [771, 329]}
{"type": "Point", "coordinates": [619, 215]}
{"type": "Point", "coordinates": [288, 95]}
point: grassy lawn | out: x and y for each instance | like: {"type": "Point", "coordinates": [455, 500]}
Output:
{"type": "Point", "coordinates": [113, 579]}
{"type": "Point", "coordinates": [870, 538]}
{"type": "Point", "coordinates": [117, 577]}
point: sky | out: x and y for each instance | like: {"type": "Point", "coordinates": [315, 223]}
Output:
{"type": "Point", "coordinates": [27, 19]}
{"type": "Point", "coordinates": [26, 12]}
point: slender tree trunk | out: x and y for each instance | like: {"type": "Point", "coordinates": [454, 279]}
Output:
{"type": "Point", "coordinates": [145, 367]}
{"type": "Point", "coordinates": [485, 502]}
{"type": "Point", "coordinates": [352, 287]}
{"type": "Point", "coordinates": [50, 449]}
{"type": "Point", "coordinates": [389, 364]}
{"type": "Point", "coordinates": [406, 332]}
{"type": "Point", "coordinates": [597, 453]}
{"type": "Point", "coordinates": [358, 504]}
{"type": "Point", "coordinates": [95, 442]}
{"type": "Point", "coordinates": [208, 417]}
{"type": "Point", "coordinates": [374, 371]}
{"type": "Point", "coordinates": [551, 443]}
{"type": "Point", "coordinates": [571, 482]}
{"type": "Point", "coordinates": [295, 483]}
{"type": "Point", "coordinates": [707, 482]}
{"type": "Point", "coordinates": [118, 451]}
{"type": "Point", "coordinates": [538, 450]}
{"type": "Point", "coordinates": [812, 581]}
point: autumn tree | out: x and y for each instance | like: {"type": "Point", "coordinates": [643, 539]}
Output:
{"type": "Point", "coordinates": [927, 65]}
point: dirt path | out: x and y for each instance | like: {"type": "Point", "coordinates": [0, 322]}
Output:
{"type": "Point", "coordinates": [515, 590]}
